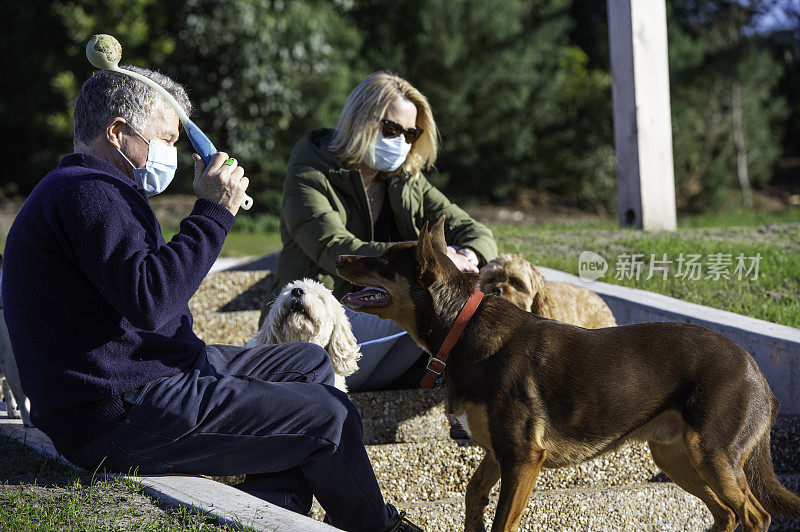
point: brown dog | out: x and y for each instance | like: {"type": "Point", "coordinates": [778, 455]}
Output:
{"type": "Point", "coordinates": [540, 393]}
{"type": "Point", "coordinates": [518, 281]}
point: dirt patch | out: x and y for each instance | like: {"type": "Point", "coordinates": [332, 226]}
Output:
{"type": "Point", "coordinates": [502, 214]}
{"type": "Point", "coordinates": [531, 206]}
{"type": "Point", "coordinates": [48, 480]}
{"type": "Point", "coordinates": [110, 500]}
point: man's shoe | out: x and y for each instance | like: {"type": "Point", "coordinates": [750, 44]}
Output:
{"type": "Point", "coordinates": [401, 523]}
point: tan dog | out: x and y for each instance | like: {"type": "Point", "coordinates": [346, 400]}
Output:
{"type": "Point", "coordinates": [541, 393]}
{"type": "Point", "coordinates": [306, 311]}
{"type": "Point", "coordinates": [519, 282]}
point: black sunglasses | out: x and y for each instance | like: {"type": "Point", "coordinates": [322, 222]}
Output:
{"type": "Point", "coordinates": [391, 129]}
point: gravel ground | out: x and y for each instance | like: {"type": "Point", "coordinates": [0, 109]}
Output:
{"type": "Point", "coordinates": [441, 470]}
{"type": "Point", "coordinates": [402, 416]}
{"type": "Point", "coordinates": [655, 507]}
{"type": "Point", "coordinates": [651, 507]}
{"type": "Point", "coordinates": [227, 305]}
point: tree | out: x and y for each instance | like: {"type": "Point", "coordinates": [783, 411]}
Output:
{"type": "Point", "coordinates": [784, 43]}
{"type": "Point", "coordinates": [45, 65]}
{"type": "Point", "coordinates": [726, 115]}
{"type": "Point", "coordinates": [497, 76]}
{"type": "Point", "coordinates": [262, 73]}
{"type": "Point", "coordinates": [519, 88]}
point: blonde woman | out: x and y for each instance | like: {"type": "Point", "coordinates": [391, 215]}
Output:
{"type": "Point", "coordinates": [358, 189]}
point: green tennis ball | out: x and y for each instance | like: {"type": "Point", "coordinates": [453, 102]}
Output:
{"type": "Point", "coordinates": [104, 51]}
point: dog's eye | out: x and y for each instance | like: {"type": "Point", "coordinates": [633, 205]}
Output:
{"type": "Point", "coordinates": [383, 261]}
{"type": "Point", "coordinates": [516, 283]}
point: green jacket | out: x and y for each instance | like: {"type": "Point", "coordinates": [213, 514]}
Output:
{"type": "Point", "coordinates": [325, 213]}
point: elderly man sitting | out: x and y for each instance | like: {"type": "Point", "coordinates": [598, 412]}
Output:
{"type": "Point", "coordinates": [97, 309]}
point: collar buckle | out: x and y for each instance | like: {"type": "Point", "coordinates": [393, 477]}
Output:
{"type": "Point", "coordinates": [440, 363]}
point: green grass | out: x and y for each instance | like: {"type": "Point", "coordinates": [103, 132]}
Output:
{"type": "Point", "coordinates": [250, 244]}
{"type": "Point", "coordinates": [739, 217]}
{"type": "Point", "coordinates": [39, 493]}
{"type": "Point", "coordinates": [772, 296]}
{"type": "Point", "coordinates": [242, 243]}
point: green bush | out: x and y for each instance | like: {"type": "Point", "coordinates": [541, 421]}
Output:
{"type": "Point", "coordinates": [711, 50]}
{"type": "Point", "coordinates": [258, 223]}
{"type": "Point", "coordinates": [263, 73]}
{"type": "Point", "coordinates": [516, 105]}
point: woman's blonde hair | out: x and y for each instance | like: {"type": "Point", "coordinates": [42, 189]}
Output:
{"type": "Point", "coordinates": [357, 127]}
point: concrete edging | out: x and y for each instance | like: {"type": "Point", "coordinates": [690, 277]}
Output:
{"type": "Point", "coordinates": [776, 348]}
{"type": "Point", "coordinates": [224, 503]}
{"type": "Point", "coordinates": [228, 263]}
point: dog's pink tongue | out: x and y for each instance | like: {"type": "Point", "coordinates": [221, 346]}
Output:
{"type": "Point", "coordinates": [368, 297]}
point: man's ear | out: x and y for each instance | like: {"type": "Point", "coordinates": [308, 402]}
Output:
{"type": "Point", "coordinates": [114, 130]}
{"type": "Point", "coordinates": [437, 236]}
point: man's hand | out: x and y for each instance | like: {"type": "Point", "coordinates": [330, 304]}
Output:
{"type": "Point", "coordinates": [220, 182]}
{"type": "Point", "coordinates": [462, 260]}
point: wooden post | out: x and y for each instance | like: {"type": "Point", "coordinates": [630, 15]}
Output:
{"type": "Point", "coordinates": [642, 125]}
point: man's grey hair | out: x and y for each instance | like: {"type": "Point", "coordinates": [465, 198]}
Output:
{"type": "Point", "coordinates": [108, 94]}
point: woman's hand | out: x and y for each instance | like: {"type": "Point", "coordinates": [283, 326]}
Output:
{"type": "Point", "coordinates": [461, 258]}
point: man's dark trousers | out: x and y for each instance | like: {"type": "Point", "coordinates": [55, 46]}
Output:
{"type": "Point", "coordinates": [270, 412]}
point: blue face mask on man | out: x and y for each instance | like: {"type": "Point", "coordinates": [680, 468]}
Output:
{"type": "Point", "coordinates": [159, 170]}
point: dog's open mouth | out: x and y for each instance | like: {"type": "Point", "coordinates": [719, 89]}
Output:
{"type": "Point", "coordinates": [368, 297]}
{"type": "Point", "coordinates": [297, 306]}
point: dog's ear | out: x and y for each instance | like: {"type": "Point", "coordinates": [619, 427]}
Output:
{"type": "Point", "coordinates": [542, 304]}
{"type": "Point", "coordinates": [437, 236]}
{"type": "Point", "coordinates": [424, 250]}
{"type": "Point", "coordinates": [424, 231]}
{"type": "Point", "coordinates": [428, 243]}
{"type": "Point", "coordinates": [342, 347]}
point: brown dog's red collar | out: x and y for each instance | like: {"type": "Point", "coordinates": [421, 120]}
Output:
{"type": "Point", "coordinates": [437, 363]}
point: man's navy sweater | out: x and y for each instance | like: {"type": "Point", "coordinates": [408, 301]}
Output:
{"type": "Point", "coordinates": [95, 300]}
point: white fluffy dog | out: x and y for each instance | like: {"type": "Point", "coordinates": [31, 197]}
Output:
{"type": "Point", "coordinates": [16, 403]}
{"type": "Point", "coordinates": [306, 311]}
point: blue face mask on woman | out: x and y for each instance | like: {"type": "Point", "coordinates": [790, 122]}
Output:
{"type": "Point", "coordinates": [159, 170]}
{"type": "Point", "coordinates": [387, 154]}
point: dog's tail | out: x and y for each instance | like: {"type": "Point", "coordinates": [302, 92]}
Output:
{"type": "Point", "coordinates": [765, 485]}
